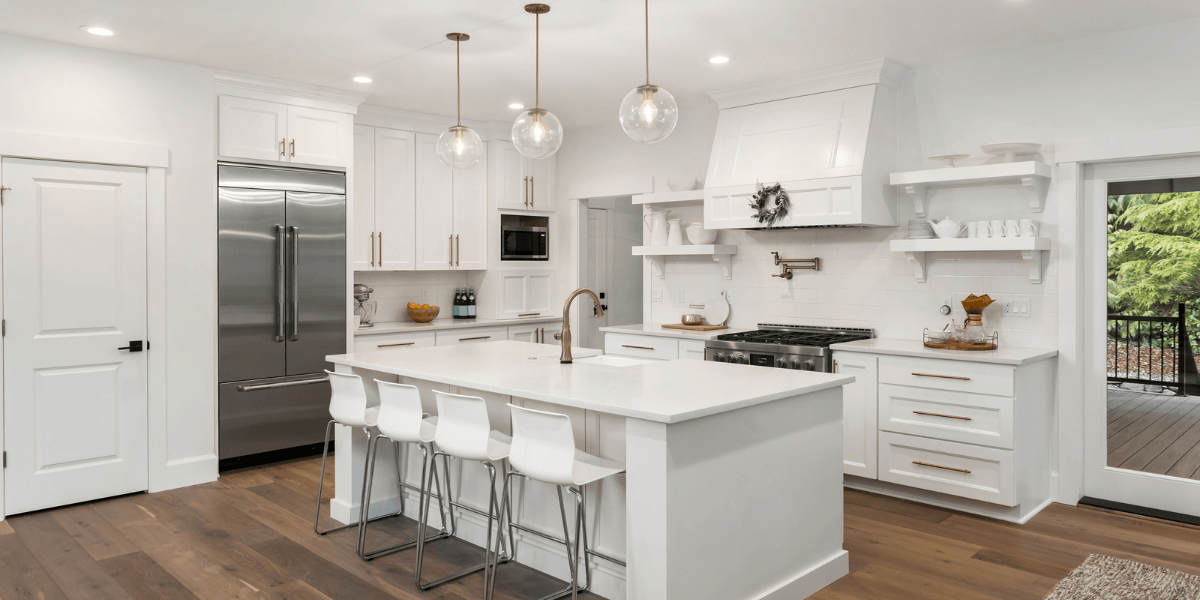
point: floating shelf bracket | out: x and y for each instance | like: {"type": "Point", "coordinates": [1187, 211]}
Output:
{"type": "Point", "coordinates": [919, 194]}
{"type": "Point", "coordinates": [1036, 260]}
{"type": "Point", "coordinates": [919, 260]}
{"type": "Point", "coordinates": [1037, 187]}
{"type": "Point", "coordinates": [725, 260]}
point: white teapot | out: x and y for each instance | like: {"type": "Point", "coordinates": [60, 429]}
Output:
{"type": "Point", "coordinates": [948, 228]}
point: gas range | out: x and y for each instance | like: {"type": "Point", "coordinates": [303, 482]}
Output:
{"type": "Point", "coordinates": [800, 347]}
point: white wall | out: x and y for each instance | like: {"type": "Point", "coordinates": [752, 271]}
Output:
{"type": "Point", "coordinates": [1119, 82]}
{"type": "Point", "coordinates": [70, 90]}
{"type": "Point", "coordinates": [395, 289]}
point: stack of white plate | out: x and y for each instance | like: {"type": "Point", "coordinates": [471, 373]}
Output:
{"type": "Point", "coordinates": [920, 229]}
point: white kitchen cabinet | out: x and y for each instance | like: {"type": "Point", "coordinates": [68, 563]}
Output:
{"type": "Point", "coordinates": [641, 346]}
{"type": "Point", "coordinates": [520, 183]}
{"type": "Point", "coordinates": [263, 130]}
{"type": "Point", "coordinates": [384, 206]}
{"type": "Point", "coordinates": [389, 341]}
{"type": "Point", "coordinates": [526, 293]}
{"type": "Point", "coordinates": [537, 333]}
{"type": "Point", "coordinates": [691, 350]}
{"type": "Point", "coordinates": [859, 413]}
{"type": "Point", "coordinates": [451, 337]}
{"type": "Point", "coordinates": [450, 206]}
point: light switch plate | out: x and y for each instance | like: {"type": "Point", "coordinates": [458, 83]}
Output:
{"type": "Point", "coordinates": [657, 296]}
{"type": "Point", "coordinates": [1020, 307]}
{"type": "Point", "coordinates": [679, 296]}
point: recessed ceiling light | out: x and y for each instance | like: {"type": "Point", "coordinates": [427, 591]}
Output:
{"type": "Point", "coordinates": [362, 79]}
{"type": "Point", "coordinates": [516, 106]}
{"type": "Point", "coordinates": [719, 60]}
{"type": "Point", "coordinates": [95, 30]}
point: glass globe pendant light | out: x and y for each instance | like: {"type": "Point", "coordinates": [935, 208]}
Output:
{"type": "Point", "coordinates": [537, 132]}
{"type": "Point", "coordinates": [459, 147]}
{"type": "Point", "coordinates": [648, 114]}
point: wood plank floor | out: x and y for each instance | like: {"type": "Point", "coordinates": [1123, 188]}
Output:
{"type": "Point", "coordinates": [1154, 433]}
{"type": "Point", "coordinates": [249, 536]}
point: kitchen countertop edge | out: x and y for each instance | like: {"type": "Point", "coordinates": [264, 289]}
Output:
{"type": "Point", "coordinates": [656, 330]}
{"type": "Point", "coordinates": [1014, 356]}
{"type": "Point", "coordinates": [447, 324]}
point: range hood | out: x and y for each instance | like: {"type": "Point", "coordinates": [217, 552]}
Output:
{"type": "Point", "coordinates": [830, 140]}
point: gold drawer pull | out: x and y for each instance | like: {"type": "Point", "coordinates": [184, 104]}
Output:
{"type": "Point", "coordinates": [924, 464]}
{"type": "Point", "coordinates": [400, 344]}
{"type": "Point", "coordinates": [482, 337]}
{"type": "Point", "coordinates": [929, 414]}
{"type": "Point", "coordinates": [942, 376]}
{"type": "Point", "coordinates": [636, 347]}
{"type": "Point", "coordinates": [529, 315]}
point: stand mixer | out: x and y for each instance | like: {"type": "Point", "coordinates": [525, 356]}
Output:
{"type": "Point", "coordinates": [363, 305]}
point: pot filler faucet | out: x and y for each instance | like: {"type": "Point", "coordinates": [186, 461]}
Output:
{"type": "Point", "coordinates": [564, 336]}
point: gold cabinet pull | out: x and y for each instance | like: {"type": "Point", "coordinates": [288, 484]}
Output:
{"type": "Point", "coordinates": [381, 248]}
{"type": "Point", "coordinates": [925, 464]}
{"type": "Point", "coordinates": [929, 414]}
{"type": "Point", "coordinates": [293, 148]}
{"type": "Point", "coordinates": [400, 344]}
{"type": "Point", "coordinates": [942, 376]}
{"type": "Point", "coordinates": [636, 347]}
{"type": "Point", "coordinates": [457, 250]}
{"type": "Point", "coordinates": [482, 337]}
{"type": "Point", "coordinates": [529, 314]}
{"type": "Point", "coordinates": [532, 191]}
{"type": "Point", "coordinates": [283, 147]}
{"type": "Point", "coordinates": [452, 249]}
{"type": "Point", "coordinates": [372, 248]}
{"type": "Point", "coordinates": [526, 190]}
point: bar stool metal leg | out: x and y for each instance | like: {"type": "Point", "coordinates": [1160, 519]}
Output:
{"type": "Point", "coordinates": [321, 487]}
{"type": "Point", "coordinates": [492, 514]}
{"type": "Point", "coordinates": [372, 454]}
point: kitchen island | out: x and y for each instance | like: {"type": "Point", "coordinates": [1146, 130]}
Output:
{"type": "Point", "coordinates": [733, 485]}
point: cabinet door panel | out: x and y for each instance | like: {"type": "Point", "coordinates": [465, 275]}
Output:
{"type": "Point", "coordinates": [859, 414]}
{"type": "Point", "coordinates": [541, 184]}
{"type": "Point", "coordinates": [471, 217]}
{"type": "Point", "coordinates": [395, 208]}
{"type": "Point", "coordinates": [318, 137]}
{"type": "Point", "coordinates": [510, 175]}
{"type": "Point", "coordinates": [526, 293]}
{"type": "Point", "coordinates": [363, 232]}
{"type": "Point", "coordinates": [251, 128]}
{"type": "Point", "coordinates": [434, 201]}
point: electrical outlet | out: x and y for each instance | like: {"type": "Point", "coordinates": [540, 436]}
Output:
{"type": "Point", "coordinates": [1017, 308]}
{"type": "Point", "coordinates": [424, 295]}
{"type": "Point", "coordinates": [657, 295]}
{"type": "Point", "coordinates": [679, 296]}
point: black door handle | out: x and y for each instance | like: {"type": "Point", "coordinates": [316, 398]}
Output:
{"type": "Point", "coordinates": [135, 346]}
{"type": "Point", "coordinates": [603, 307]}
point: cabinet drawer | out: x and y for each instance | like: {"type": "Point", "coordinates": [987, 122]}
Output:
{"type": "Point", "coordinates": [978, 378]}
{"type": "Point", "coordinates": [393, 341]}
{"type": "Point", "coordinates": [471, 336]}
{"type": "Point", "coordinates": [641, 346]}
{"type": "Point", "coordinates": [948, 467]}
{"type": "Point", "coordinates": [691, 350]}
{"type": "Point", "coordinates": [954, 416]}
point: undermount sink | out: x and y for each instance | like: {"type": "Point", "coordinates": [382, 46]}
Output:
{"type": "Point", "coordinates": [613, 361]}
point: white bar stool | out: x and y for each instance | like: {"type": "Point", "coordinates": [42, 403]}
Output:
{"type": "Point", "coordinates": [464, 431]}
{"type": "Point", "coordinates": [401, 420]}
{"type": "Point", "coordinates": [543, 449]}
{"type": "Point", "coordinates": [347, 406]}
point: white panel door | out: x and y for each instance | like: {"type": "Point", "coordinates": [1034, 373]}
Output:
{"type": "Point", "coordinates": [363, 233]}
{"type": "Point", "coordinates": [253, 129]}
{"type": "Point", "coordinates": [471, 217]}
{"type": "Point", "coordinates": [435, 209]}
{"type": "Point", "coordinates": [75, 293]}
{"type": "Point", "coordinates": [395, 207]}
{"type": "Point", "coordinates": [318, 137]}
{"type": "Point", "coordinates": [859, 413]}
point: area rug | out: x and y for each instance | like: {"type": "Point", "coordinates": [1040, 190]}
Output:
{"type": "Point", "coordinates": [1107, 578]}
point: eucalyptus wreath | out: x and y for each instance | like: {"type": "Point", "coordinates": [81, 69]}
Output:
{"type": "Point", "coordinates": [765, 211]}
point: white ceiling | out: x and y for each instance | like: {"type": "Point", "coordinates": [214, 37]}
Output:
{"type": "Point", "coordinates": [592, 50]}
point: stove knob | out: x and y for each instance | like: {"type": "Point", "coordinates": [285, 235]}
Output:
{"type": "Point", "coordinates": [795, 364]}
{"type": "Point", "coordinates": [744, 359]}
{"type": "Point", "coordinates": [781, 363]}
{"type": "Point", "coordinates": [719, 357]}
{"type": "Point", "coordinates": [809, 366]}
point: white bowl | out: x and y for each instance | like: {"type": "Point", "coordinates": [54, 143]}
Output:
{"type": "Point", "coordinates": [682, 184]}
{"type": "Point", "coordinates": [700, 236]}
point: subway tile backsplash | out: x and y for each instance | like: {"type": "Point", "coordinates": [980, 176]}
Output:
{"type": "Point", "coordinates": [395, 289]}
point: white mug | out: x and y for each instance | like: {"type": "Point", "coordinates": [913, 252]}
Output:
{"type": "Point", "coordinates": [973, 229]}
{"type": "Point", "coordinates": [1030, 228]}
{"type": "Point", "coordinates": [996, 229]}
{"type": "Point", "coordinates": [357, 321]}
{"type": "Point", "coordinates": [1012, 228]}
{"type": "Point", "coordinates": [985, 229]}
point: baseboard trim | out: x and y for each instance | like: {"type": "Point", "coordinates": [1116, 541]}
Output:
{"type": "Point", "coordinates": [1140, 510]}
{"type": "Point", "coordinates": [1014, 514]}
{"type": "Point", "coordinates": [811, 581]}
{"type": "Point", "coordinates": [193, 470]}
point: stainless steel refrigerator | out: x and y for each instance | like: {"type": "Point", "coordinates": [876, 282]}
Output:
{"type": "Point", "coordinates": [282, 305]}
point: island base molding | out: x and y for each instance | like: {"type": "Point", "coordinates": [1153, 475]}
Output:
{"type": "Point", "coordinates": [1019, 514]}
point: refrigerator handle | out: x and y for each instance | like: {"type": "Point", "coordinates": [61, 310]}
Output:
{"type": "Point", "coordinates": [280, 291]}
{"type": "Point", "coordinates": [295, 284]}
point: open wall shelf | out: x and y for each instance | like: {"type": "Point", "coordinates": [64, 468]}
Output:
{"type": "Point", "coordinates": [1034, 175]}
{"type": "Point", "coordinates": [1033, 249]}
{"type": "Point", "coordinates": [687, 196]}
{"type": "Point", "coordinates": [722, 253]}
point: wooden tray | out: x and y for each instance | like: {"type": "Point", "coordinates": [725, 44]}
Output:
{"type": "Point", "coordinates": [694, 327]}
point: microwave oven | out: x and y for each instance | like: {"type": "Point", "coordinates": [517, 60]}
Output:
{"type": "Point", "coordinates": [524, 242]}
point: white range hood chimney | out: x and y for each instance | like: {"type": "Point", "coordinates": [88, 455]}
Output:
{"type": "Point", "coordinates": [829, 139]}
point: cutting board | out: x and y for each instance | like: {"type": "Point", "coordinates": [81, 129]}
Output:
{"type": "Point", "coordinates": [694, 327]}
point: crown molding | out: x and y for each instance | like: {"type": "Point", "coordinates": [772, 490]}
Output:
{"type": "Point", "coordinates": [255, 86]}
{"type": "Point", "coordinates": [880, 71]}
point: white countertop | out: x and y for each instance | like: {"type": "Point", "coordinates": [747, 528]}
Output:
{"type": "Point", "coordinates": [658, 331]}
{"type": "Point", "coordinates": [666, 392]}
{"type": "Point", "coordinates": [1004, 355]}
{"type": "Point", "coordinates": [448, 323]}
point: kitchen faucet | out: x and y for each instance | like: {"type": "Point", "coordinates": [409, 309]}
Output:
{"type": "Point", "coordinates": [565, 335]}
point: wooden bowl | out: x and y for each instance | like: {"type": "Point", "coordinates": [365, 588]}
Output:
{"type": "Point", "coordinates": [423, 315]}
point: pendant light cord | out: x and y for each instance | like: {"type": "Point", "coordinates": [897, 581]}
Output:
{"type": "Point", "coordinates": [647, 42]}
{"type": "Point", "coordinates": [537, 60]}
{"type": "Point", "coordinates": [458, 76]}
